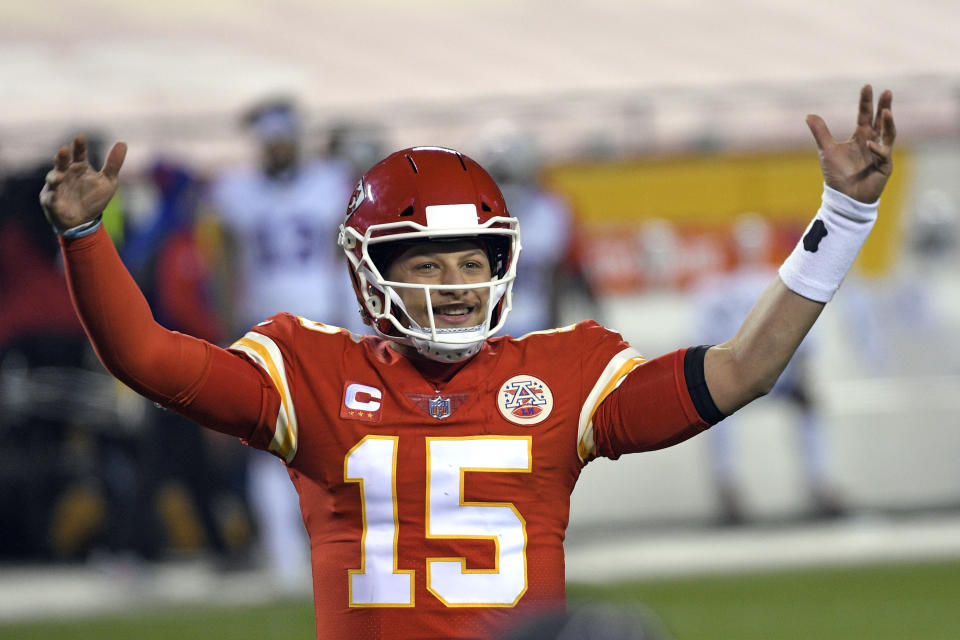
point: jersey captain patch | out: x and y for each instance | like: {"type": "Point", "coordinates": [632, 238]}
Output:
{"type": "Point", "coordinates": [525, 400]}
{"type": "Point", "coordinates": [361, 402]}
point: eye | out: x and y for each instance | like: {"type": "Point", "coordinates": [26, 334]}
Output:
{"type": "Point", "coordinates": [475, 265]}
{"type": "Point", "coordinates": [425, 266]}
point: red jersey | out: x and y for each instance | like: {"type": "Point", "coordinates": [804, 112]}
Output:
{"type": "Point", "coordinates": [436, 509]}
{"type": "Point", "coordinates": [435, 496]}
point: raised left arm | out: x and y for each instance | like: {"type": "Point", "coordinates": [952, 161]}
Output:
{"type": "Point", "coordinates": [855, 172]}
{"type": "Point", "coordinates": [746, 367]}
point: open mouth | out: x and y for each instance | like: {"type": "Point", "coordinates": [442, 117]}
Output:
{"type": "Point", "coordinates": [454, 314]}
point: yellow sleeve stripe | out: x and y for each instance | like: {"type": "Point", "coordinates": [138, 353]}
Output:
{"type": "Point", "coordinates": [613, 374]}
{"type": "Point", "coordinates": [265, 353]}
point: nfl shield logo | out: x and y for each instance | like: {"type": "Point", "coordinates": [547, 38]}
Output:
{"type": "Point", "coordinates": [439, 407]}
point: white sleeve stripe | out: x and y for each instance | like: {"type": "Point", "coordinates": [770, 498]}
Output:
{"type": "Point", "coordinates": [318, 326]}
{"type": "Point", "coordinates": [266, 354]}
{"type": "Point", "coordinates": [613, 374]}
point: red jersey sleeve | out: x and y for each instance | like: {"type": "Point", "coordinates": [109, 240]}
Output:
{"type": "Point", "coordinates": [658, 404]}
{"type": "Point", "coordinates": [604, 361]}
{"type": "Point", "coordinates": [205, 383]}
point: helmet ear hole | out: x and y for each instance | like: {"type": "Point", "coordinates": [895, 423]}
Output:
{"type": "Point", "coordinates": [373, 302]}
{"type": "Point", "coordinates": [365, 316]}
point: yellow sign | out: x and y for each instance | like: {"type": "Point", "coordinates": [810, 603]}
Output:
{"type": "Point", "coordinates": [712, 190]}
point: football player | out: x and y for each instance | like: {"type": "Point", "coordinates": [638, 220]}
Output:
{"type": "Point", "coordinates": [434, 462]}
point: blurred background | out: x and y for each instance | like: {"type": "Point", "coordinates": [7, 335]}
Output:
{"type": "Point", "coordinates": [657, 157]}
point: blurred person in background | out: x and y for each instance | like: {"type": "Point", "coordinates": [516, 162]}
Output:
{"type": "Point", "coordinates": [722, 301]}
{"type": "Point", "coordinates": [59, 497]}
{"type": "Point", "coordinates": [35, 322]}
{"type": "Point", "coordinates": [279, 223]}
{"type": "Point", "coordinates": [393, 439]}
{"type": "Point", "coordinates": [550, 273]}
{"type": "Point", "coordinates": [356, 145]}
{"type": "Point", "coordinates": [174, 271]}
{"type": "Point", "coordinates": [918, 309]}
{"type": "Point", "coordinates": [36, 332]}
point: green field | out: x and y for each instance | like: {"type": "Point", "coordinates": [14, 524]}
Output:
{"type": "Point", "coordinates": [876, 603]}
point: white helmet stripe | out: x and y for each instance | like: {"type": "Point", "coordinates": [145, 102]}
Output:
{"type": "Point", "coordinates": [451, 216]}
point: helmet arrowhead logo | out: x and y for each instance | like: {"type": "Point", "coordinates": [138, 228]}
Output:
{"type": "Point", "coordinates": [359, 195]}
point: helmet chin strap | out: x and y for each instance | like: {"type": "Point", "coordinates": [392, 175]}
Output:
{"type": "Point", "coordinates": [445, 351]}
{"type": "Point", "coordinates": [471, 339]}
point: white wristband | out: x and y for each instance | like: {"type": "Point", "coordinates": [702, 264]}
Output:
{"type": "Point", "coordinates": [830, 244]}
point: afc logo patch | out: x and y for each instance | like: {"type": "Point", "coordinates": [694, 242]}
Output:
{"type": "Point", "coordinates": [361, 402]}
{"type": "Point", "coordinates": [525, 400]}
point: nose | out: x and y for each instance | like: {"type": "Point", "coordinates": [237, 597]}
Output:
{"type": "Point", "coordinates": [453, 275]}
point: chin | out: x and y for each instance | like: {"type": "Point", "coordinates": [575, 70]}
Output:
{"type": "Point", "coordinates": [471, 322]}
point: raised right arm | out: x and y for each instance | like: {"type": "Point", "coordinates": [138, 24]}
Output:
{"type": "Point", "coordinates": [210, 385]}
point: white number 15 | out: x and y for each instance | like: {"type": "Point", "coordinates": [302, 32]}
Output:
{"type": "Point", "coordinates": [379, 582]}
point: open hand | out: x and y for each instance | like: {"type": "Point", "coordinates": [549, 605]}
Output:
{"type": "Point", "coordinates": [859, 167]}
{"type": "Point", "coordinates": [75, 192]}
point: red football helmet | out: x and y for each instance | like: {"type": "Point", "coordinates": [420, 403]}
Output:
{"type": "Point", "coordinates": [419, 195]}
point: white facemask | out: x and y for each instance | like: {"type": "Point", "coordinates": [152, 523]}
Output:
{"type": "Point", "coordinates": [452, 344]}
{"type": "Point", "coordinates": [389, 317]}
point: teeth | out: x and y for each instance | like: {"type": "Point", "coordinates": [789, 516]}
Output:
{"type": "Point", "coordinates": [458, 311]}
